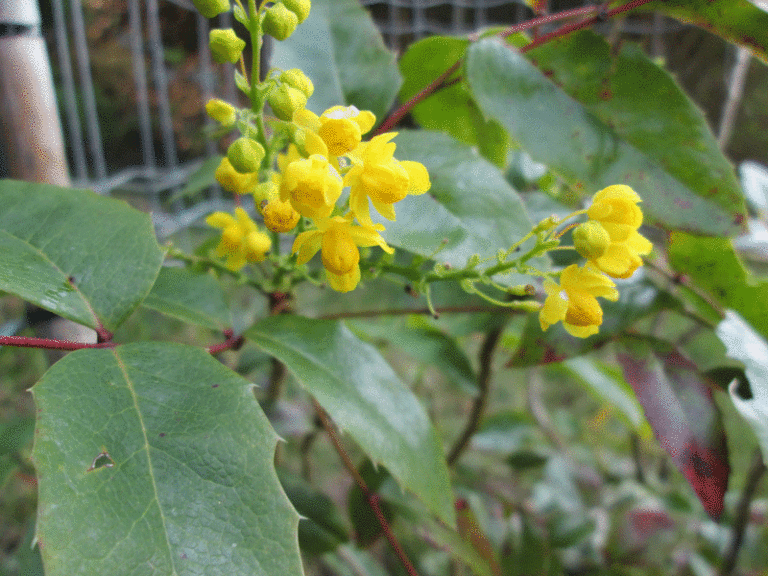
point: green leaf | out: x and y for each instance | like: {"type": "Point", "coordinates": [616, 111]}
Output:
{"type": "Point", "coordinates": [744, 344]}
{"type": "Point", "coordinates": [366, 399]}
{"type": "Point", "coordinates": [581, 145]}
{"type": "Point", "coordinates": [504, 433]}
{"type": "Point", "coordinates": [608, 386]}
{"type": "Point", "coordinates": [644, 107]}
{"type": "Point", "coordinates": [712, 265]}
{"type": "Point", "coordinates": [87, 258]}
{"type": "Point", "coordinates": [339, 47]}
{"type": "Point", "coordinates": [194, 298]}
{"type": "Point", "coordinates": [154, 458]}
{"type": "Point", "coordinates": [470, 205]}
{"type": "Point", "coordinates": [422, 341]}
{"type": "Point", "coordinates": [364, 521]}
{"type": "Point", "coordinates": [738, 21]}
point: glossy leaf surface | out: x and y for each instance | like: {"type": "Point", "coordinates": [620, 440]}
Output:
{"type": "Point", "coordinates": [82, 256]}
{"type": "Point", "coordinates": [683, 415]}
{"type": "Point", "coordinates": [194, 298]}
{"type": "Point", "coordinates": [744, 344]}
{"type": "Point", "coordinates": [738, 21]}
{"type": "Point", "coordinates": [640, 104]}
{"type": "Point", "coordinates": [712, 264]}
{"type": "Point", "coordinates": [576, 142]}
{"type": "Point", "coordinates": [365, 398]}
{"type": "Point", "coordinates": [154, 458]}
{"type": "Point", "coordinates": [340, 49]}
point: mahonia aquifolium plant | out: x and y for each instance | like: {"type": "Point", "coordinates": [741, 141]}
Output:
{"type": "Point", "coordinates": [296, 165]}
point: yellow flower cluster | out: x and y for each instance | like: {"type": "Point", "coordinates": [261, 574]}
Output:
{"type": "Point", "coordinates": [328, 155]}
{"type": "Point", "coordinates": [312, 183]}
{"type": "Point", "coordinates": [612, 245]}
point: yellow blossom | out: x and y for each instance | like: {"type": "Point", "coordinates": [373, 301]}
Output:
{"type": "Point", "coordinates": [615, 209]}
{"type": "Point", "coordinates": [375, 174]}
{"type": "Point", "coordinates": [279, 216]}
{"type": "Point", "coordinates": [339, 239]}
{"type": "Point", "coordinates": [340, 127]}
{"type": "Point", "coordinates": [233, 181]}
{"type": "Point", "coordinates": [312, 185]}
{"type": "Point", "coordinates": [241, 240]}
{"type": "Point", "coordinates": [574, 300]}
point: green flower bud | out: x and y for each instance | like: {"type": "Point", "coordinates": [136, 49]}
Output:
{"type": "Point", "coordinates": [299, 7]}
{"type": "Point", "coordinates": [286, 101]}
{"type": "Point", "coordinates": [222, 112]}
{"type": "Point", "coordinates": [245, 155]}
{"type": "Point", "coordinates": [296, 79]}
{"type": "Point", "coordinates": [226, 46]}
{"type": "Point", "coordinates": [546, 224]}
{"type": "Point", "coordinates": [591, 240]}
{"type": "Point", "coordinates": [211, 8]}
{"type": "Point", "coordinates": [279, 22]}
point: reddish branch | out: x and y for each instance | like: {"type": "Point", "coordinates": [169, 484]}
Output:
{"type": "Point", "coordinates": [50, 343]}
{"type": "Point", "coordinates": [598, 13]}
{"type": "Point", "coordinates": [371, 497]}
{"type": "Point", "coordinates": [231, 343]}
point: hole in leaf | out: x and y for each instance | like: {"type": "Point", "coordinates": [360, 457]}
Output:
{"type": "Point", "coordinates": [102, 460]}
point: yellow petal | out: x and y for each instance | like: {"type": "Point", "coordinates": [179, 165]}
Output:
{"type": "Point", "coordinates": [345, 282]}
{"type": "Point", "coordinates": [339, 252]}
{"type": "Point", "coordinates": [418, 177]}
{"type": "Point", "coordinates": [220, 220]}
{"type": "Point", "coordinates": [386, 210]}
{"type": "Point", "coordinates": [307, 244]}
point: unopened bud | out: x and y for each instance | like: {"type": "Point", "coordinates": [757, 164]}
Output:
{"type": "Point", "coordinates": [299, 7]}
{"type": "Point", "coordinates": [279, 22]}
{"type": "Point", "coordinates": [245, 155]}
{"type": "Point", "coordinates": [591, 240]}
{"type": "Point", "coordinates": [226, 46]}
{"type": "Point", "coordinates": [280, 216]}
{"type": "Point", "coordinates": [222, 112]}
{"type": "Point", "coordinates": [211, 8]}
{"type": "Point", "coordinates": [286, 101]}
{"type": "Point", "coordinates": [546, 224]}
{"type": "Point", "coordinates": [297, 79]}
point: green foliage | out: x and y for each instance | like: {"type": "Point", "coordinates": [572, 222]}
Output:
{"type": "Point", "coordinates": [156, 458]}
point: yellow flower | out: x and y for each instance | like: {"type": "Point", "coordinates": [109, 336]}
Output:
{"type": "Point", "coordinates": [339, 239]}
{"type": "Point", "coordinates": [574, 300]}
{"type": "Point", "coordinates": [312, 185]}
{"type": "Point", "coordinates": [232, 181]}
{"type": "Point", "coordinates": [375, 174]}
{"type": "Point", "coordinates": [615, 209]}
{"type": "Point", "coordinates": [279, 216]}
{"type": "Point", "coordinates": [241, 241]}
{"type": "Point", "coordinates": [340, 127]}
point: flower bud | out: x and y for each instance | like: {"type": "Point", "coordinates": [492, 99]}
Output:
{"type": "Point", "coordinates": [221, 111]}
{"type": "Point", "coordinates": [591, 240]}
{"type": "Point", "coordinates": [233, 181]}
{"type": "Point", "coordinates": [245, 155]}
{"type": "Point", "coordinates": [299, 7]}
{"type": "Point", "coordinates": [546, 224]}
{"type": "Point", "coordinates": [226, 46]}
{"type": "Point", "coordinates": [295, 78]}
{"type": "Point", "coordinates": [279, 22]}
{"type": "Point", "coordinates": [286, 101]}
{"type": "Point", "coordinates": [211, 8]}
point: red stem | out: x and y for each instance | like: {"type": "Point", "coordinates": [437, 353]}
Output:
{"type": "Point", "coordinates": [51, 344]}
{"type": "Point", "coordinates": [231, 343]}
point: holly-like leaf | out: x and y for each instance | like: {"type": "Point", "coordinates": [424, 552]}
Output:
{"type": "Point", "coordinates": [683, 415]}
{"type": "Point", "coordinates": [194, 298]}
{"type": "Point", "coordinates": [712, 264]}
{"type": "Point", "coordinates": [339, 47]}
{"type": "Point", "coordinates": [640, 103]}
{"type": "Point", "coordinates": [366, 399]}
{"type": "Point", "coordinates": [583, 146]}
{"type": "Point", "coordinates": [82, 256]}
{"type": "Point", "coordinates": [154, 458]}
{"type": "Point", "coordinates": [471, 207]}
{"type": "Point", "coordinates": [744, 344]}
{"type": "Point", "coordinates": [738, 21]}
